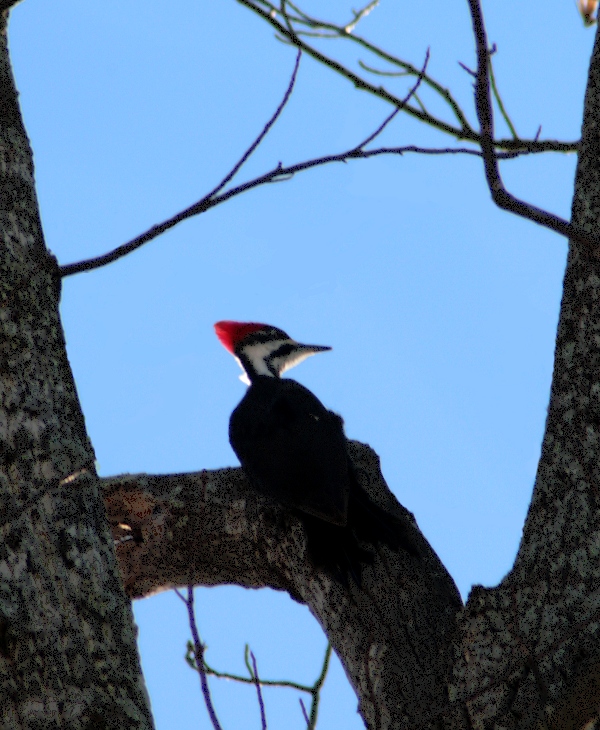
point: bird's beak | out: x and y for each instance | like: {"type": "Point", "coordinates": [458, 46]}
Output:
{"type": "Point", "coordinates": [312, 349]}
{"type": "Point", "coordinates": [300, 353]}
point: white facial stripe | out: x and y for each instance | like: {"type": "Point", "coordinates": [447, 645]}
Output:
{"type": "Point", "coordinates": [259, 353]}
{"type": "Point", "coordinates": [281, 364]}
{"type": "Point", "coordinates": [244, 376]}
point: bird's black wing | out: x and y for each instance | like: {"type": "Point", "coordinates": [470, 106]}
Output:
{"type": "Point", "coordinates": [292, 448]}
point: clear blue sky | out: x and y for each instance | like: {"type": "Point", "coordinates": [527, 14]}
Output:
{"type": "Point", "coordinates": [441, 309]}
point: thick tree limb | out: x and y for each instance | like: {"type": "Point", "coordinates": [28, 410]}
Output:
{"type": "Point", "coordinates": [210, 528]}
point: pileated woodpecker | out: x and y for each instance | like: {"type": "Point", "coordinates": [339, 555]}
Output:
{"type": "Point", "coordinates": [294, 450]}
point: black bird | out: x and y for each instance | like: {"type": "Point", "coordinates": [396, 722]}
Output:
{"type": "Point", "coordinates": [294, 450]}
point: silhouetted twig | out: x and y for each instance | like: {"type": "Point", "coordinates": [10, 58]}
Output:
{"type": "Point", "coordinates": [272, 13]}
{"type": "Point", "coordinates": [244, 158]}
{"type": "Point", "coordinates": [500, 103]}
{"type": "Point", "coordinates": [261, 704]}
{"type": "Point", "coordinates": [403, 103]}
{"type": "Point", "coordinates": [199, 655]}
{"type": "Point", "coordinates": [155, 231]}
{"type": "Point", "coordinates": [304, 713]}
{"type": "Point", "coordinates": [314, 690]}
{"type": "Point", "coordinates": [485, 115]}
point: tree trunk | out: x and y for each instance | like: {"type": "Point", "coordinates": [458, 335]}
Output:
{"type": "Point", "coordinates": [67, 639]}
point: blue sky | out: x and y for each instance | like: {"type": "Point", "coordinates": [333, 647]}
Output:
{"type": "Point", "coordinates": [441, 309]}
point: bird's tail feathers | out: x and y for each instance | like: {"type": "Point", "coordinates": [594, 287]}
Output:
{"type": "Point", "coordinates": [373, 524]}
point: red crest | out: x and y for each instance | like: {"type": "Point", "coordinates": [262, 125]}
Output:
{"type": "Point", "coordinates": [230, 332]}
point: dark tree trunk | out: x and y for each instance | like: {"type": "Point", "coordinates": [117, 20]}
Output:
{"type": "Point", "coordinates": [67, 641]}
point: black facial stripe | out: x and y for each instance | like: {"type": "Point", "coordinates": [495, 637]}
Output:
{"type": "Point", "coordinates": [282, 351]}
{"type": "Point", "coordinates": [261, 336]}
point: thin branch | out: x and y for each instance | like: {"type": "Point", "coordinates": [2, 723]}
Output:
{"type": "Point", "coordinates": [277, 174]}
{"type": "Point", "coordinates": [162, 227]}
{"type": "Point", "coordinates": [304, 713]}
{"type": "Point", "coordinates": [244, 158]}
{"type": "Point", "coordinates": [403, 103]}
{"type": "Point", "coordinates": [465, 131]}
{"type": "Point", "coordinates": [420, 103]}
{"type": "Point", "coordinates": [261, 704]}
{"type": "Point", "coordinates": [501, 106]}
{"type": "Point", "coordinates": [360, 15]}
{"type": "Point", "coordinates": [316, 693]}
{"type": "Point", "coordinates": [199, 654]}
{"type": "Point", "coordinates": [467, 69]}
{"type": "Point", "coordinates": [379, 72]}
{"type": "Point", "coordinates": [312, 34]}
{"type": "Point", "coordinates": [485, 115]}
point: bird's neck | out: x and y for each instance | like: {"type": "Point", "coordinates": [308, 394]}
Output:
{"type": "Point", "coordinates": [260, 359]}
{"type": "Point", "coordinates": [254, 370]}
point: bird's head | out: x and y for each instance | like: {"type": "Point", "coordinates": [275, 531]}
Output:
{"type": "Point", "coordinates": [262, 349]}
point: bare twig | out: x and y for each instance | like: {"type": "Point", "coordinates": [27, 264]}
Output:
{"type": "Point", "coordinates": [316, 693]}
{"type": "Point", "coordinates": [261, 704]}
{"type": "Point", "coordinates": [403, 103]}
{"type": "Point", "coordinates": [500, 103]}
{"type": "Point", "coordinates": [485, 115]}
{"type": "Point", "coordinates": [277, 174]}
{"type": "Point", "coordinates": [314, 690]}
{"type": "Point", "coordinates": [379, 72]}
{"type": "Point", "coordinates": [304, 713]}
{"type": "Point", "coordinates": [194, 209]}
{"type": "Point", "coordinates": [467, 69]}
{"type": "Point", "coordinates": [199, 654]}
{"type": "Point", "coordinates": [244, 158]}
{"type": "Point", "coordinates": [358, 16]}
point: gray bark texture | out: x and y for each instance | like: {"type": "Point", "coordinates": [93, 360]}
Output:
{"type": "Point", "coordinates": [68, 656]}
{"type": "Point", "coordinates": [525, 654]}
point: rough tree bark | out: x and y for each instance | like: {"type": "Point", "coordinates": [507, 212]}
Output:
{"type": "Point", "coordinates": [524, 654]}
{"type": "Point", "coordinates": [67, 644]}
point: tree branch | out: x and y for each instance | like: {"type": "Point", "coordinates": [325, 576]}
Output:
{"type": "Point", "coordinates": [485, 115]}
{"type": "Point", "coordinates": [513, 148]}
{"type": "Point", "coordinates": [269, 12]}
{"type": "Point", "coordinates": [257, 683]}
{"type": "Point", "coordinates": [209, 528]}
{"type": "Point", "coordinates": [410, 652]}
{"type": "Point", "coordinates": [538, 632]}
{"type": "Point", "coordinates": [277, 174]}
{"type": "Point", "coordinates": [244, 158]}
{"type": "Point", "coordinates": [199, 655]}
